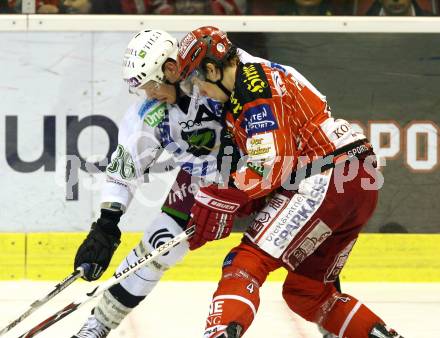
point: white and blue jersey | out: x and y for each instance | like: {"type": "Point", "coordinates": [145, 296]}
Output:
{"type": "Point", "coordinates": [189, 130]}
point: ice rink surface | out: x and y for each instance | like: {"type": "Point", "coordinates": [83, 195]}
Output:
{"type": "Point", "coordinates": [178, 310]}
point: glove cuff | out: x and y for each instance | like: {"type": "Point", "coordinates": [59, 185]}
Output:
{"type": "Point", "coordinates": [225, 200]}
{"type": "Point", "coordinates": [108, 222]}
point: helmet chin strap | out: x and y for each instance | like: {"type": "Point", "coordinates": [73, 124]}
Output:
{"type": "Point", "coordinates": [220, 84]}
{"type": "Point", "coordinates": [223, 88]}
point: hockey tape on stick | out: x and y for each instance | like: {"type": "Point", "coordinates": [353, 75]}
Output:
{"type": "Point", "coordinates": [79, 272]}
{"type": "Point", "coordinates": [116, 278]}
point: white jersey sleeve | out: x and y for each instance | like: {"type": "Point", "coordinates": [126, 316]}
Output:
{"type": "Point", "coordinates": [137, 150]}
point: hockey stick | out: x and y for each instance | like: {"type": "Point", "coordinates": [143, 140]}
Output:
{"type": "Point", "coordinates": [79, 272]}
{"type": "Point", "coordinates": [116, 278]}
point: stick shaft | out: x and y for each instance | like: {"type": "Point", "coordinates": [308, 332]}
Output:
{"type": "Point", "coordinates": [116, 278]}
{"type": "Point", "coordinates": [38, 303]}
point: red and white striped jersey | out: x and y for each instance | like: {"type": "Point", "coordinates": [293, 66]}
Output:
{"type": "Point", "coordinates": [278, 117]}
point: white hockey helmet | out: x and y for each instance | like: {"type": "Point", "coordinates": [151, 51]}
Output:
{"type": "Point", "coordinates": [145, 54]}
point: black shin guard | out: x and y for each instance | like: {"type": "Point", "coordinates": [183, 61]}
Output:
{"type": "Point", "coordinates": [124, 297]}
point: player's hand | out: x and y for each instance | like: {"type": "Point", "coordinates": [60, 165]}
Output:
{"type": "Point", "coordinates": [213, 213]}
{"type": "Point", "coordinates": [98, 248]}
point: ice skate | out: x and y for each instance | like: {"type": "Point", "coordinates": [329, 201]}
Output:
{"type": "Point", "coordinates": [382, 331]}
{"type": "Point", "coordinates": [92, 328]}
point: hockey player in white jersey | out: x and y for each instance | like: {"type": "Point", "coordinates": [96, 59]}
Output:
{"type": "Point", "coordinates": [186, 127]}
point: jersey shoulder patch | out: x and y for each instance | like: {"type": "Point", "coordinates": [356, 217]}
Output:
{"type": "Point", "coordinates": [152, 112]}
{"type": "Point", "coordinates": [259, 119]}
{"type": "Point", "coordinates": [251, 84]}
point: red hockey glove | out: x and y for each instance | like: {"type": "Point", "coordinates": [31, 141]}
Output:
{"type": "Point", "coordinates": [213, 213]}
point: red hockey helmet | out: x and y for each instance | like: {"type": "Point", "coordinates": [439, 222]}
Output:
{"type": "Point", "coordinates": [198, 46]}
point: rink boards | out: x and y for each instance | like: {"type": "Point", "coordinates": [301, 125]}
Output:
{"type": "Point", "coordinates": [375, 257]}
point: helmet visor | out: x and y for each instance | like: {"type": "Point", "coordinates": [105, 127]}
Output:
{"type": "Point", "coordinates": [192, 80]}
{"type": "Point", "coordinates": [146, 91]}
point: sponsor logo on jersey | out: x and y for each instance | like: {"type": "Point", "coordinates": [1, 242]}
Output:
{"type": "Point", "coordinates": [341, 130]}
{"type": "Point", "coordinates": [229, 259]}
{"type": "Point", "coordinates": [259, 169]}
{"type": "Point", "coordinates": [263, 217]}
{"type": "Point", "coordinates": [358, 150]}
{"type": "Point", "coordinates": [155, 115]}
{"type": "Point", "coordinates": [257, 151]}
{"type": "Point", "coordinates": [201, 139]}
{"type": "Point", "coordinates": [253, 79]}
{"type": "Point", "coordinates": [237, 108]}
{"type": "Point", "coordinates": [188, 124]}
{"type": "Point", "coordinates": [339, 262]}
{"type": "Point", "coordinates": [255, 228]}
{"type": "Point", "coordinates": [216, 308]}
{"type": "Point", "coordinates": [276, 203]}
{"type": "Point", "coordinates": [295, 216]}
{"type": "Point", "coordinates": [300, 210]}
{"type": "Point", "coordinates": [250, 85]}
{"type": "Point", "coordinates": [203, 116]}
{"type": "Point", "coordinates": [215, 313]}
{"type": "Point", "coordinates": [259, 222]}
{"type": "Point", "coordinates": [256, 141]}
{"type": "Point", "coordinates": [259, 119]}
{"type": "Point", "coordinates": [201, 142]}
{"type": "Point", "coordinates": [146, 107]}
{"type": "Point", "coordinates": [298, 252]}
{"type": "Point", "coordinates": [266, 217]}
{"type": "Point", "coordinates": [261, 149]}
{"type": "Point", "coordinates": [210, 331]}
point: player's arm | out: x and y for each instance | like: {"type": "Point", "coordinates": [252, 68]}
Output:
{"type": "Point", "coordinates": [137, 150]}
{"type": "Point", "coordinates": [270, 144]}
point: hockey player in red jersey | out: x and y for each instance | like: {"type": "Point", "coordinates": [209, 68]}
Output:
{"type": "Point", "coordinates": [188, 128]}
{"type": "Point", "coordinates": [310, 223]}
